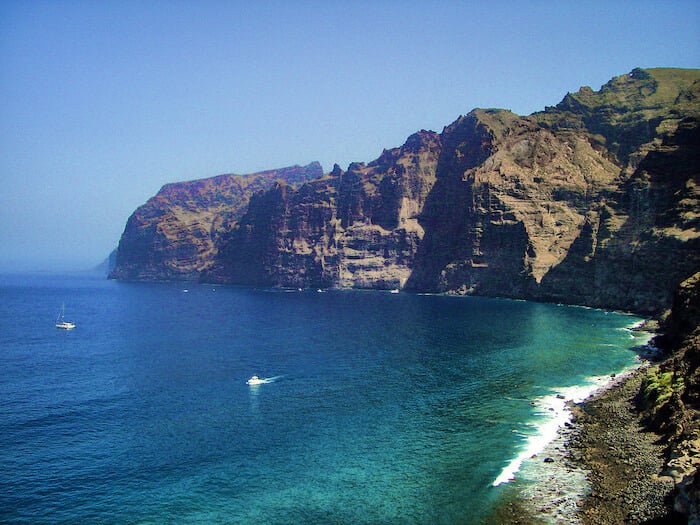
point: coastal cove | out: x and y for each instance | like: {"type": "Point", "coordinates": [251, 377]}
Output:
{"type": "Point", "coordinates": [384, 406]}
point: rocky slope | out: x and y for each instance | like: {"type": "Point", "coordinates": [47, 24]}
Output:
{"type": "Point", "coordinates": [640, 442]}
{"type": "Point", "coordinates": [671, 397]}
{"type": "Point", "coordinates": [173, 235]}
{"type": "Point", "coordinates": [593, 201]}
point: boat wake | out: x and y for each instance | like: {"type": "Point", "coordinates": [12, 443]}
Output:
{"type": "Point", "coordinates": [255, 380]}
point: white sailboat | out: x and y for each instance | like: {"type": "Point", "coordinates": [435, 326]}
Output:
{"type": "Point", "coordinates": [61, 322]}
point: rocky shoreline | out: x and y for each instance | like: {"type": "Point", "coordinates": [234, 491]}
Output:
{"type": "Point", "coordinates": [604, 468]}
{"type": "Point", "coordinates": [625, 460]}
{"type": "Point", "coordinates": [632, 451]}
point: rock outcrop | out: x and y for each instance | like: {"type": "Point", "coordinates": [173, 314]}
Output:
{"type": "Point", "coordinates": [511, 198]}
{"type": "Point", "coordinates": [593, 201]}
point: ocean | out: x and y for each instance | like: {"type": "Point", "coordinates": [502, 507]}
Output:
{"type": "Point", "coordinates": [376, 408]}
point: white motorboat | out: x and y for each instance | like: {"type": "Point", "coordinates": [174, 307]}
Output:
{"type": "Point", "coordinates": [255, 380]}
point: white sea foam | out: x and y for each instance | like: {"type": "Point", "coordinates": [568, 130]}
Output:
{"type": "Point", "coordinates": [636, 325]}
{"type": "Point", "coordinates": [553, 412]}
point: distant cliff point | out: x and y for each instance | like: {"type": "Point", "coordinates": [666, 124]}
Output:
{"type": "Point", "coordinates": [174, 236]}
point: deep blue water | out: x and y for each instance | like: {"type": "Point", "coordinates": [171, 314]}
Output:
{"type": "Point", "coordinates": [384, 408]}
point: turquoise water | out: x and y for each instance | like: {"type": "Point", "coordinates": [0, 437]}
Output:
{"type": "Point", "coordinates": [382, 408]}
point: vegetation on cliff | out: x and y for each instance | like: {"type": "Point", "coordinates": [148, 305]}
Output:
{"type": "Point", "coordinates": [677, 413]}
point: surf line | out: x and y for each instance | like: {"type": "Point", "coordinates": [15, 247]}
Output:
{"type": "Point", "coordinates": [553, 413]}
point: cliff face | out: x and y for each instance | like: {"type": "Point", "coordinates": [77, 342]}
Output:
{"type": "Point", "coordinates": [593, 201]}
{"type": "Point", "coordinates": [517, 196]}
{"type": "Point", "coordinates": [355, 228]}
{"type": "Point", "coordinates": [634, 251]}
{"type": "Point", "coordinates": [173, 235]}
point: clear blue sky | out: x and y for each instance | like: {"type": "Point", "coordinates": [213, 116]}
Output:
{"type": "Point", "coordinates": [103, 102]}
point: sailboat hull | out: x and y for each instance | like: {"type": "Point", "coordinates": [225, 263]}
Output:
{"type": "Point", "coordinates": [61, 322]}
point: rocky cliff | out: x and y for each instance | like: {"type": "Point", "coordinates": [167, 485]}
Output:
{"type": "Point", "coordinates": [669, 402]}
{"type": "Point", "coordinates": [355, 228]}
{"type": "Point", "coordinates": [174, 235]}
{"type": "Point", "coordinates": [593, 201]}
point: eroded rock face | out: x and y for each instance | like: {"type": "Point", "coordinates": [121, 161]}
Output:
{"type": "Point", "coordinates": [173, 235]}
{"type": "Point", "coordinates": [594, 201]}
{"type": "Point", "coordinates": [642, 237]}
{"type": "Point", "coordinates": [510, 199]}
{"type": "Point", "coordinates": [538, 207]}
{"type": "Point", "coordinates": [356, 228]}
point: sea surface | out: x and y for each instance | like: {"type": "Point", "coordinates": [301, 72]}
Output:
{"type": "Point", "coordinates": [378, 408]}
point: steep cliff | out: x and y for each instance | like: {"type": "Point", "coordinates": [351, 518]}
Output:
{"type": "Point", "coordinates": [173, 235]}
{"type": "Point", "coordinates": [516, 198]}
{"type": "Point", "coordinates": [355, 228]}
{"type": "Point", "coordinates": [641, 240]}
{"type": "Point", "coordinates": [539, 207]}
{"type": "Point", "coordinates": [670, 397]}
{"type": "Point", "coordinates": [593, 201]}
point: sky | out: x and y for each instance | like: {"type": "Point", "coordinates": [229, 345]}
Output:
{"type": "Point", "coordinates": [101, 103]}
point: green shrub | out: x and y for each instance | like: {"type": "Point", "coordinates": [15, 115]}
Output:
{"type": "Point", "coordinates": [658, 387]}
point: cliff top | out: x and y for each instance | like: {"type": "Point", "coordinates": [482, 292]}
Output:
{"type": "Point", "coordinates": [646, 90]}
{"type": "Point", "coordinates": [292, 175]}
{"type": "Point", "coordinates": [630, 110]}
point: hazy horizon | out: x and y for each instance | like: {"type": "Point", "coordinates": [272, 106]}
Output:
{"type": "Point", "coordinates": [104, 103]}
